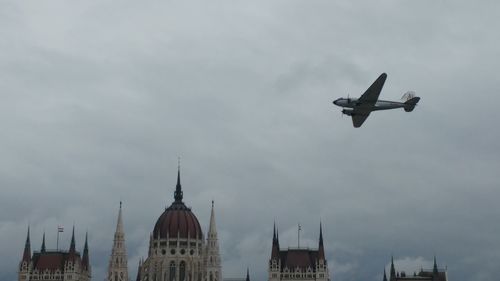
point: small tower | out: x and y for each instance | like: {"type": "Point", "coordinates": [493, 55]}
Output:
{"type": "Point", "coordinates": [435, 272]}
{"type": "Point", "coordinates": [72, 246]}
{"type": "Point", "coordinates": [321, 265]}
{"type": "Point", "coordinates": [24, 265]}
{"type": "Point", "coordinates": [393, 269]}
{"type": "Point", "coordinates": [275, 261]}
{"type": "Point", "coordinates": [43, 249]}
{"type": "Point", "coordinates": [321, 249]}
{"type": "Point", "coordinates": [117, 269]}
{"type": "Point", "coordinates": [212, 262]}
{"type": "Point", "coordinates": [85, 258]}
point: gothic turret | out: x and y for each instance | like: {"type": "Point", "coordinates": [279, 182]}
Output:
{"type": "Point", "coordinates": [85, 258]}
{"type": "Point", "coordinates": [117, 269]}
{"type": "Point", "coordinates": [27, 248]}
{"type": "Point", "coordinates": [72, 247]}
{"type": "Point", "coordinates": [42, 250]}
{"type": "Point", "coordinates": [275, 247]}
{"type": "Point", "coordinates": [321, 249]}
{"type": "Point", "coordinates": [178, 189]}
{"type": "Point", "coordinates": [213, 256]}
{"type": "Point", "coordinates": [435, 271]}
{"type": "Point", "coordinates": [393, 270]}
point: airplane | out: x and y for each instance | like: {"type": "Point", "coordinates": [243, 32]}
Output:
{"type": "Point", "coordinates": [359, 109]}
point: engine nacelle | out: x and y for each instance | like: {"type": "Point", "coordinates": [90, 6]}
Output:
{"type": "Point", "coordinates": [349, 112]}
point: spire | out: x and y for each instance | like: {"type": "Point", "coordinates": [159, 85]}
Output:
{"type": "Point", "coordinates": [27, 248]}
{"type": "Point", "coordinates": [385, 276]}
{"type": "Point", "coordinates": [72, 248]}
{"type": "Point", "coordinates": [117, 267]}
{"type": "Point", "coordinates": [43, 244]}
{"type": "Point", "coordinates": [119, 223]}
{"type": "Point", "coordinates": [178, 189]}
{"type": "Point", "coordinates": [72, 245]}
{"type": "Point", "coordinates": [248, 275]}
{"type": "Point", "coordinates": [275, 248]}
{"type": "Point", "coordinates": [212, 229]}
{"type": "Point", "coordinates": [278, 238]}
{"type": "Point", "coordinates": [435, 268]}
{"type": "Point", "coordinates": [85, 258]}
{"type": "Point", "coordinates": [212, 249]}
{"type": "Point", "coordinates": [393, 270]}
{"type": "Point", "coordinates": [321, 250]}
{"type": "Point", "coordinates": [274, 231]}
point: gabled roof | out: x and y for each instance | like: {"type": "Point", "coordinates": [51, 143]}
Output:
{"type": "Point", "coordinates": [52, 260]}
{"type": "Point", "coordinates": [301, 258]}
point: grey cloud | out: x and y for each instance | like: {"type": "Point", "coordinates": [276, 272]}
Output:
{"type": "Point", "coordinates": [99, 99]}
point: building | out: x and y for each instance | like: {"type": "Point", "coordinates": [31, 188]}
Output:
{"type": "Point", "coordinates": [117, 268]}
{"type": "Point", "coordinates": [45, 265]}
{"type": "Point", "coordinates": [298, 263]}
{"type": "Point", "coordinates": [423, 275]}
{"type": "Point", "coordinates": [177, 247]}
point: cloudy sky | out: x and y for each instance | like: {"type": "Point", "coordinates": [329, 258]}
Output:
{"type": "Point", "coordinates": [99, 98]}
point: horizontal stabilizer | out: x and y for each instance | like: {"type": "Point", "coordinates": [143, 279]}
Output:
{"type": "Point", "coordinates": [411, 103]}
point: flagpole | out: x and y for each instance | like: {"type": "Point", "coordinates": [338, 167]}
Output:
{"type": "Point", "coordinates": [59, 229]}
{"type": "Point", "coordinates": [298, 237]}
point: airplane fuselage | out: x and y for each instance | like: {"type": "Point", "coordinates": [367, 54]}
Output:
{"type": "Point", "coordinates": [379, 105]}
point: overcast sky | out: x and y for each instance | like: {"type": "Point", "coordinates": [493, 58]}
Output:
{"type": "Point", "coordinates": [99, 98]}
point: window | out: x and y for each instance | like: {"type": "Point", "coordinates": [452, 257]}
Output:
{"type": "Point", "coordinates": [172, 271]}
{"type": "Point", "coordinates": [182, 271]}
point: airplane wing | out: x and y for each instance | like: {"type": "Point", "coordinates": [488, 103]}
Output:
{"type": "Point", "coordinates": [371, 94]}
{"type": "Point", "coordinates": [366, 102]}
{"type": "Point", "coordinates": [357, 120]}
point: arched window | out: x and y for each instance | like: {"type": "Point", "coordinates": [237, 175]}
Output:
{"type": "Point", "coordinates": [172, 271]}
{"type": "Point", "coordinates": [182, 271]}
{"type": "Point", "coordinates": [211, 277]}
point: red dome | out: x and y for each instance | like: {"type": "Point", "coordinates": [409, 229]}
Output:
{"type": "Point", "coordinates": [177, 219]}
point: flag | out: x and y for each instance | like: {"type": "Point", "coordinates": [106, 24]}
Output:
{"type": "Point", "coordinates": [60, 228]}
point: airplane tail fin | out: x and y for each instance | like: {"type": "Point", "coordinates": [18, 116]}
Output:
{"type": "Point", "coordinates": [411, 103]}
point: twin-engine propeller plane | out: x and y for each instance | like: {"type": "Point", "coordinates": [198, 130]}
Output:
{"type": "Point", "coordinates": [359, 109]}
